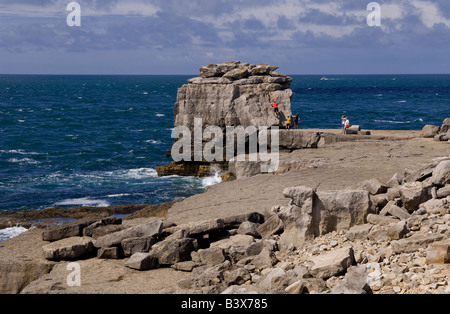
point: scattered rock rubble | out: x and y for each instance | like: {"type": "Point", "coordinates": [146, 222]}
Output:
{"type": "Point", "coordinates": [387, 238]}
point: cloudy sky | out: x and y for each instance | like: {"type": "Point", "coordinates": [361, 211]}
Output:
{"type": "Point", "coordinates": [179, 36]}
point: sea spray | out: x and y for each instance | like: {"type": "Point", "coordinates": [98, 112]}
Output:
{"type": "Point", "coordinates": [12, 232]}
{"type": "Point", "coordinates": [216, 179]}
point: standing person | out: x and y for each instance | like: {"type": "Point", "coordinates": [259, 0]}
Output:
{"type": "Point", "coordinates": [347, 125]}
{"type": "Point", "coordinates": [296, 120]}
{"type": "Point", "coordinates": [343, 119]}
{"type": "Point", "coordinates": [288, 122]}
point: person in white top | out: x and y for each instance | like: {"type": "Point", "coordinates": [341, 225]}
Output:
{"type": "Point", "coordinates": [343, 120]}
{"type": "Point", "coordinates": [345, 124]}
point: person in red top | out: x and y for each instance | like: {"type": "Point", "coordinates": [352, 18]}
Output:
{"type": "Point", "coordinates": [275, 108]}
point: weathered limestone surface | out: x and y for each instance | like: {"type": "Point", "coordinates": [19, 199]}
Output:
{"type": "Point", "coordinates": [397, 239]}
{"type": "Point", "coordinates": [319, 241]}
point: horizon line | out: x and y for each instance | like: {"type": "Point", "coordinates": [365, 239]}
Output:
{"type": "Point", "coordinates": [196, 75]}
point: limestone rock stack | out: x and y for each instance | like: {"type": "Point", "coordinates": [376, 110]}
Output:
{"type": "Point", "coordinates": [229, 94]}
{"type": "Point", "coordinates": [234, 94]}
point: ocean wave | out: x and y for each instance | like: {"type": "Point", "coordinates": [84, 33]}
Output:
{"type": "Point", "coordinates": [84, 201]}
{"type": "Point", "coordinates": [12, 232]}
{"type": "Point", "coordinates": [118, 195]}
{"type": "Point", "coordinates": [124, 110]}
{"type": "Point", "coordinates": [23, 161]}
{"type": "Point", "coordinates": [140, 173]}
{"type": "Point", "coordinates": [19, 151]}
{"type": "Point", "coordinates": [153, 141]}
{"type": "Point", "coordinates": [390, 121]}
{"type": "Point", "coordinates": [98, 178]}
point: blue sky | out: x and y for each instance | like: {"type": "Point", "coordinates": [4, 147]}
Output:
{"type": "Point", "coordinates": [178, 37]}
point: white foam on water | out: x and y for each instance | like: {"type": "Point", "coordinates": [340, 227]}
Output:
{"type": "Point", "coordinates": [118, 195]}
{"type": "Point", "coordinates": [208, 181]}
{"type": "Point", "coordinates": [124, 110]}
{"type": "Point", "coordinates": [84, 201]}
{"type": "Point", "coordinates": [390, 121]}
{"type": "Point", "coordinates": [20, 152]}
{"type": "Point", "coordinates": [12, 232]}
{"type": "Point", "coordinates": [153, 141]}
{"type": "Point", "coordinates": [24, 161]}
{"type": "Point", "coordinates": [140, 173]}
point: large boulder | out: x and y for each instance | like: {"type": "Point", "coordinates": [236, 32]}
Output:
{"type": "Point", "coordinates": [172, 251]}
{"type": "Point", "coordinates": [237, 74]}
{"type": "Point", "coordinates": [272, 226]}
{"type": "Point", "coordinates": [332, 263]}
{"type": "Point", "coordinates": [300, 219]}
{"type": "Point", "coordinates": [441, 174]}
{"type": "Point", "coordinates": [68, 249]}
{"type": "Point", "coordinates": [439, 252]}
{"type": "Point", "coordinates": [341, 210]}
{"type": "Point", "coordinates": [374, 186]}
{"type": "Point", "coordinates": [429, 131]}
{"type": "Point", "coordinates": [263, 69]}
{"type": "Point", "coordinates": [73, 229]}
{"type": "Point", "coordinates": [355, 282]}
{"type": "Point", "coordinates": [142, 261]}
{"type": "Point", "coordinates": [145, 230]}
{"type": "Point", "coordinates": [199, 227]}
{"type": "Point", "coordinates": [413, 244]}
{"type": "Point", "coordinates": [298, 139]}
{"type": "Point", "coordinates": [315, 213]}
{"type": "Point", "coordinates": [212, 256]}
{"type": "Point", "coordinates": [445, 126]}
{"type": "Point", "coordinates": [138, 244]}
{"type": "Point", "coordinates": [218, 70]}
{"type": "Point", "coordinates": [413, 194]}
{"type": "Point", "coordinates": [444, 131]}
{"type": "Point", "coordinates": [443, 192]}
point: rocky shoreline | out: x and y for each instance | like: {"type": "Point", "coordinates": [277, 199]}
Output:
{"type": "Point", "coordinates": [385, 233]}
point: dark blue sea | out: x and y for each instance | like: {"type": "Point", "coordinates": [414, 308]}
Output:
{"type": "Point", "coordinates": [96, 140]}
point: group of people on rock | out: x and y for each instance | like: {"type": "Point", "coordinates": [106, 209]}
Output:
{"type": "Point", "coordinates": [345, 122]}
{"type": "Point", "coordinates": [290, 120]}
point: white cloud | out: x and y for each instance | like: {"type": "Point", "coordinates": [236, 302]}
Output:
{"type": "Point", "coordinates": [392, 11]}
{"type": "Point", "coordinates": [429, 14]}
{"type": "Point", "coordinates": [59, 8]}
